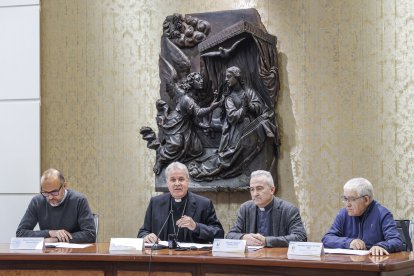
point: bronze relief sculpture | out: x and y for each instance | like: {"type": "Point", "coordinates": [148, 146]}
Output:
{"type": "Point", "coordinates": [219, 87]}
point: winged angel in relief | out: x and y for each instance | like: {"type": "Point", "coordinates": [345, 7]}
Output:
{"type": "Point", "coordinates": [177, 137]}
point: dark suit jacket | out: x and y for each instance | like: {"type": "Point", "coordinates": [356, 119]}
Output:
{"type": "Point", "coordinates": [201, 209]}
{"type": "Point", "coordinates": [287, 224]}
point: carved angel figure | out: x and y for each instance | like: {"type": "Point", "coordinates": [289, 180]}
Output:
{"type": "Point", "coordinates": [178, 139]}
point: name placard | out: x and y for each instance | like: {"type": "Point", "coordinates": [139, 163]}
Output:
{"type": "Point", "coordinates": [126, 244]}
{"type": "Point", "coordinates": [228, 245]}
{"type": "Point", "coordinates": [305, 248]}
{"type": "Point", "coordinates": [27, 243]}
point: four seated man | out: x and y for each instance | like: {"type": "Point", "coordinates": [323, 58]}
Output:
{"type": "Point", "coordinates": [64, 215]}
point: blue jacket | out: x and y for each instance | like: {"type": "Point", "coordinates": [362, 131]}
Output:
{"type": "Point", "coordinates": [375, 227]}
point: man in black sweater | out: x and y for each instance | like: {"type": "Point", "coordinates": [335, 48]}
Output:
{"type": "Point", "coordinates": [63, 215]}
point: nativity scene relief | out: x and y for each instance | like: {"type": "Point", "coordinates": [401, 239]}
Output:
{"type": "Point", "coordinates": [216, 112]}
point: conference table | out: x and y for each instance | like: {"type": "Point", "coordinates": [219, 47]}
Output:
{"type": "Point", "coordinates": [98, 260]}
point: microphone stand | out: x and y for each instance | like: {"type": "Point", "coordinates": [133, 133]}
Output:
{"type": "Point", "coordinates": [156, 245]}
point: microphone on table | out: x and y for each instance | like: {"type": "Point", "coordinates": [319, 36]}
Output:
{"type": "Point", "coordinates": [156, 245]}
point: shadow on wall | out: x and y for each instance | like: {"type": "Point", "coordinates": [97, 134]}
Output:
{"type": "Point", "coordinates": [287, 126]}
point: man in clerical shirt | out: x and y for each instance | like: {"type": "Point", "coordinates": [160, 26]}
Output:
{"type": "Point", "coordinates": [363, 224]}
{"type": "Point", "coordinates": [267, 220]}
{"type": "Point", "coordinates": [63, 214]}
{"type": "Point", "coordinates": [190, 217]}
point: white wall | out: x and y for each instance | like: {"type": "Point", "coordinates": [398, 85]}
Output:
{"type": "Point", "coordinates": [19, 110]}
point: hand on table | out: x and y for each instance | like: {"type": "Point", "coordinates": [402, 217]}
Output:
{"type": "Point", "coordinates": [150, 238]}
{"type": "Point", "coordinates": [378, 251]}
{"type": "Point", "coordinates": [255, 239]}
{"type": "Point", "coordinates": [357, 244]}
{"type": "Point", "coordinates": [61, 235]}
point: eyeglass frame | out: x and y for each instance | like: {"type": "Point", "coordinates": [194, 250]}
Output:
{"type": "Point", "coordinates": [53, 193]}
{"type": "Point", "coordinates": [351, 199]}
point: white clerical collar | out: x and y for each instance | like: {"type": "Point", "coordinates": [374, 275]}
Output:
{"type": "Point", "coordinates": [177, 199]}
{"type": "Point", "coordinates": [267, 207]}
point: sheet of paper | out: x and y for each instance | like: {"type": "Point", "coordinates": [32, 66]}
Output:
{"type": "Point", "coordinates": [183, 245]}
{"type": "Point", "coordinates": [147, 245]}
{"type": "Point", "coordinates": [126, 244]}
{"type": "Point", "coordinates": [254, 248]}
{"type": "Point", "coordinates": [67, 245]}
{"type": "Point", "coordinates": [346, 251]}
{"type": "Point", "coordinates": [192, 245]}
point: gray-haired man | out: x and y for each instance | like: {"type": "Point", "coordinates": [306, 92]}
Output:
{"type": "Point", "coordinates": [267, 220]}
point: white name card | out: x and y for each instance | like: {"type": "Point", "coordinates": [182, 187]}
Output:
{"type": "Point", "coordinates": [126, 244]}
{"type": "Point", "coordinates": [27, 243]}
{"type": "Point", "coordinates": [305, 248]}
{"type": "Point", "coordinates": [228, 245]}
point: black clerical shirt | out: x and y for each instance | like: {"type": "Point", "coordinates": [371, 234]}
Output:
{"type": "Point", "coordinates": [264, 220]}
{"type": "Point", "coordinates": [178, 208]}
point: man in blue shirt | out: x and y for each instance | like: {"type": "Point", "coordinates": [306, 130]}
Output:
{"type": "Point", "coordinates": [363, 224]}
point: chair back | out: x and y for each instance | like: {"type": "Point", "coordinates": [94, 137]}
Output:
{"type": "Point", "coordinates": [403, 227]}
{"type": "Point", "coordinates": [96, 220]}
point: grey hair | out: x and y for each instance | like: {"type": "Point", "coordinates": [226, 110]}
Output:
{"type": "Point", "coordinates": [263, 174]}
{"type": "Point", "coordinates": [176, 166]}
{"type": "Point", "coordinates": [52, 173]}
{"type": "Point", "coordinates": [361, 185]}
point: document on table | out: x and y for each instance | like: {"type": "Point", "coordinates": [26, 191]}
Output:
{"type": "Point", "coordinates": [194, 245]}
{"type": "Point", "coordinates": [346, 251]}
{"type": "Point", "coordinates": [66, 245]}
{"type": "Point", "coordinates": [190, 245]}
{"type": "Point", "coordinates": [165, 243]}
{"type": "Point", "coordinates": [187, 245]}
{"type": "Point", "coordinates": [252, 248]}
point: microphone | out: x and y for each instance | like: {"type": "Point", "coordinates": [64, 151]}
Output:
{"type": "Point", "coordinates": [156, 245]}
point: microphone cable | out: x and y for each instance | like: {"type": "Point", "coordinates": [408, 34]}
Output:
{"type": "Point", "coordinates": [156, 243]}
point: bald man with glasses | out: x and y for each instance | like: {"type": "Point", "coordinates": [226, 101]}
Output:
{"type": "Point", "coordinates": [363, 224]}
{"type": "Point", "coordinates": [63, 214]}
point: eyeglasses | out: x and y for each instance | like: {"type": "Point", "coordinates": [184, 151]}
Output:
{"type": "Point", "coordinates": [350, 199]}
{"type": "Point", "coordinates": [53, 193]}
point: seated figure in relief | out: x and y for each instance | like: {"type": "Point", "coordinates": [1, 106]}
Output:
{"type": "Point", "coordinates": [245, 129]}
